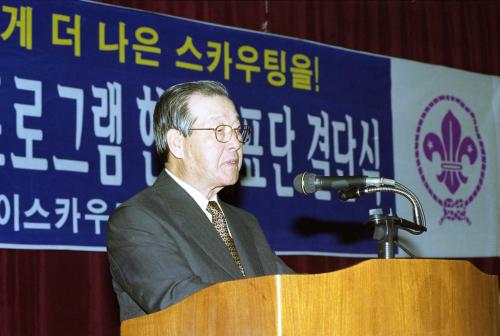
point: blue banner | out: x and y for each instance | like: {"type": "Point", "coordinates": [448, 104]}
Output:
{"type": "Point", "coordinates": [78, 85]}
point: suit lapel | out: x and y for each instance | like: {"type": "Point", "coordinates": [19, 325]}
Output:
{"type": "Point", "coordinates": [191, 220]}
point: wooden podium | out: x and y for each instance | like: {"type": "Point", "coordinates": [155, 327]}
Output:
{"type": "Point", "coordinates": [375, 297]}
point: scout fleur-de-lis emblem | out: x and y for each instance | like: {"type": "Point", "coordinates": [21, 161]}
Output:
{"type": "Point", "coordinates": [450, 155]}
{"type": "Point", "coordinates": [451, 149]}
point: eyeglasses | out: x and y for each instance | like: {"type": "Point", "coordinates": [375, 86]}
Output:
{"type": "Point", "coordinates": [224, 133]}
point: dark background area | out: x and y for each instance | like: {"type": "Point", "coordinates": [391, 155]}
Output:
{"type": "Point", "coordinates": [69, 293]}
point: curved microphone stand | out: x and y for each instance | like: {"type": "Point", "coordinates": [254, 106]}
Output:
{"type": "Point", "coordinates": [386, 226]}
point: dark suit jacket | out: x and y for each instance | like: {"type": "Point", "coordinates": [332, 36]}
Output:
{"type": "Point", "coordinates": [162, 248]}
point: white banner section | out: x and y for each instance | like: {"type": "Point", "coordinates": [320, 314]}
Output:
{"type": "Point", "coordinates": [446, 150]}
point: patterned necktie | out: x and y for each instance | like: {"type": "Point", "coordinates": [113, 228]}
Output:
{"type": "Point", "coordinates": [219, 221]}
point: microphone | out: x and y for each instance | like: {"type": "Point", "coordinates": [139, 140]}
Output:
{"type": "Point", "coordinates": [308, 183]}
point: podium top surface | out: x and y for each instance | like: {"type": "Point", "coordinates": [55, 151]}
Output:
{"type": "Point", "coordinates": [375, 297]}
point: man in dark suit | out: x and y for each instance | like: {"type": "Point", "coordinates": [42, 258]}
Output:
{"type": "Point", "coordinates": [176, 237]}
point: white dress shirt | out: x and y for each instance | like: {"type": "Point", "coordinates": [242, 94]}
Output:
{"type": "Point", "coordinates": [198, 197]}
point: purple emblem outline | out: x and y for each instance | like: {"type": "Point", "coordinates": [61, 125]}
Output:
{"type": "Point", "coordinates": [453, 209]}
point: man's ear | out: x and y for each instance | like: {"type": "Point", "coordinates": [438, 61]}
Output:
{"type": "Point", "coordinates": [175, 141]}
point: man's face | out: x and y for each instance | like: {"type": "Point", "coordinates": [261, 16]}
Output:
{"type": "Point", "coordinates": [209, 164]}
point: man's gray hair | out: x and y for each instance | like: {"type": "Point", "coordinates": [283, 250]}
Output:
{"type": "Point", "coordinates": [172, 112]}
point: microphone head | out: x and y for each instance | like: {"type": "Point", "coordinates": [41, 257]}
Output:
{"type": "Point", "coordinates": [305, 183]}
